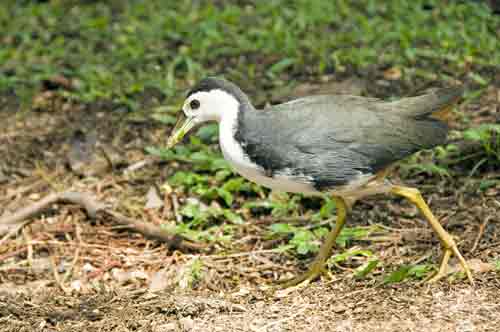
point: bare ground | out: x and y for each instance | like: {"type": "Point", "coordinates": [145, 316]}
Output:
{"type": "Point", "coordinates": [68, 272]}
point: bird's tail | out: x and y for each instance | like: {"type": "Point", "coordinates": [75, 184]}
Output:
{"type": "Point", "coordinates": [436, 105]}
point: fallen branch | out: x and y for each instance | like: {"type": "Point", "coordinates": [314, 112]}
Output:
{"type": "Point", "coordinates": [155, 232]}
{"type": "Point", "coordinates": [13, 223]}
{"type": "Point", "coordinates": [86, 201]}
{"type": "Point", "coordinates": [480, 233]}
{"type": "Point", "coordinates": [11, 231]}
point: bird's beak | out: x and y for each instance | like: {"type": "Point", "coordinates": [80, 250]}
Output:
{"type": "Point", "coordinates": [182, 126]}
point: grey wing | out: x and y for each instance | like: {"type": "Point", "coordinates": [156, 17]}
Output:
{"type": "Point", "coordinates": [334, 143]}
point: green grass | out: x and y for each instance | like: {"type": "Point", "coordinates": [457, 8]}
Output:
{"type": "Point", "coordinates": [116, 50]}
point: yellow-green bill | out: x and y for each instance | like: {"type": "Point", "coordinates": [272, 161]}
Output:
{"type": "Point", "coordinates": [182, 126]}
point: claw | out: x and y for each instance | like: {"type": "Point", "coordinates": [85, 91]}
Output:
{"type": "Point", "coordinates": [317, 269]}
{"type": "Point", "coordinates": [450, 247]}
{"type": "Point", "coordinates": [441, 273]}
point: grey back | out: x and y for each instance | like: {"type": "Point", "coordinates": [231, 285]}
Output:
{"type": "Point", "coordinates": [334, 139]}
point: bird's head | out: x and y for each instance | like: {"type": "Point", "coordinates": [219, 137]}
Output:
{"type": "Point", "coordinates": [212, 99]}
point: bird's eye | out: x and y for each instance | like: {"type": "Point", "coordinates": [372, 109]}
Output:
{"type": "Point", "coordinates": [194, 104]}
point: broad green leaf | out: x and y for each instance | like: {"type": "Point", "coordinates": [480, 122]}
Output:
{"type": "Point", "coordinates": [164, 118]}
{"type": "Point", "coordinates": [304, 242]}
{"type": "Point", "coordinates": [366, 268]}
{"type": "Point", "coordinates": [219, 164]}
{"type": "Point", "coordinates": [186, 178]}
{"type": "Point", "coordinates": [419, 271]}
{"type": "Point", "coordinates": [472, 135]}
{"type": "Point", "coordinates": [233, 217]}
{"type": "Point", "coordinates": [226, 196]}
{"type": "Point", "coordinates": [234, 185]}
{"type": "Point", "coordinates": [281, 65]}
{"type": "Point", "coordinates": [191, 211]}
{"type": "Point", "coordinates": [486, 184]}
{"type": "Point", "coordinates": [282, 228]}
{"type": "Point", "coordinates": [352, 233]}
{"type": "Point", "coordinates": [348, 254]}
{"type": "Point", "coordinates": [399, 275]}
{"type": "Point", "coordinates": [222, 175]}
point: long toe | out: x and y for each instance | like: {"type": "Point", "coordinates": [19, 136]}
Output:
{"type": "Point", "coordinates": [314, 272]}
{"type": "Point", "coordinates": [443, 267]}
{"type": "Point", "coordinates": [442, 272]}
{"type": "Point", "coordinates": [463, 264]}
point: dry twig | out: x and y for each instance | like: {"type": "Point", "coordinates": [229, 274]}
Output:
{"type": "Point", "coordinates": [154, 231]}
{"type": "Point", "coordinates": [141, 164]}
{"type": "Point", "coordinates": [57, 278]}
{"type": "Point", "coordinates": [480, 234]}
{"type": "Point", "coordinates": [92, 207]}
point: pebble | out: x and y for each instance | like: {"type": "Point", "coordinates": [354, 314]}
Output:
{"type": "Point", "coordinates": [339, 308]}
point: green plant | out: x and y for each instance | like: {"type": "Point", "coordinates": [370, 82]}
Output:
{"type": "Point", "coordinates": [418, 271]}
{"type": "Point", "coordinates": [488, 135]}
{"type": "Point", "coordinates": [115, 50]}
{"type": "Point", "coordinates": [369, 262]}
{"type": "Point", "coordinates": [305, 240]}
{"type": "Point", "coordinates": [363, 270]}
{"type": "Point", "coordinates": [191, 274]}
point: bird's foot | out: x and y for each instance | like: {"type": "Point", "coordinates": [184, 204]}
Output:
{"type": "Point", "coordinates": [451, 249]}
{"type": "Point", "coordinates": [317, 268]}
{"type": "Point", "coordinates": [449, 245]}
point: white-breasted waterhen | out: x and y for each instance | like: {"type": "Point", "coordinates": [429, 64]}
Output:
{"type": "Point", "coordinates": [337, 144]}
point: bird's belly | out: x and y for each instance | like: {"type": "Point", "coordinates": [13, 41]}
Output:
{"type": "Point", "coordinates": [239, 161]}
{"type": "Point", "coordinates": [282, 181]}
{"type": "Point", "coordinates": [276, 182]}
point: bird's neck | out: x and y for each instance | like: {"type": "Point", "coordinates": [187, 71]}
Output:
{"type": "Point", "coordinates": [228, 123]}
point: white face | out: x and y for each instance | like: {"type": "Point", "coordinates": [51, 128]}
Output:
{"type": "Point", "coordinates": [203, 106]}
{"type": "Point", "coordinates": [210, 106]}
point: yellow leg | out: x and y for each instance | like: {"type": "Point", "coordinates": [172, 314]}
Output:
{"type": "Point", "coordinates": [318, 265]}
{"type": "Point", "coordinates": [449, 245]}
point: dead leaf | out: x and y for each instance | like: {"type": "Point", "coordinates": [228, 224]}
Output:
{"type": "Point", "coordinates": [153, 200]}
{"type": "Point", "coordinates": [128, 276]}
{"type": "Point", "coordinates": [160, 281]}
{"type": "Point", "coordinates": [41, 265]}
{"type": "Point", "coordinates": [393, 74]}
{"type": "Point", "coordinates": [475, 264]}
{"type": "Point", "coordinates": [478, 266]}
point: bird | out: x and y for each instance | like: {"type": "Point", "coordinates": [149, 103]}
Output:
{"type": "Point", "coordinates": [341, 145]}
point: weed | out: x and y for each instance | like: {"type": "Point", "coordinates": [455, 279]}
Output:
{"type": "Point", "coordinates": [116, 49]}
{"type": "Point", "coordinates": [418, 271]}
{"type": "Point", "coordinates": [191, 274]}
{"type": "Point", "coordinates": [488, 135]}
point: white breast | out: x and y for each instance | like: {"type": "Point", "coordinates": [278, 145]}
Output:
{"type": "Point", "coordinates": [235, 155]}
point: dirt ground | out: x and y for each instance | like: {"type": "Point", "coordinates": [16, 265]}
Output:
{"type": "Point", "coordinates": [332, 306]}
{"type": "Point", "coordinates": [68, 272]}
